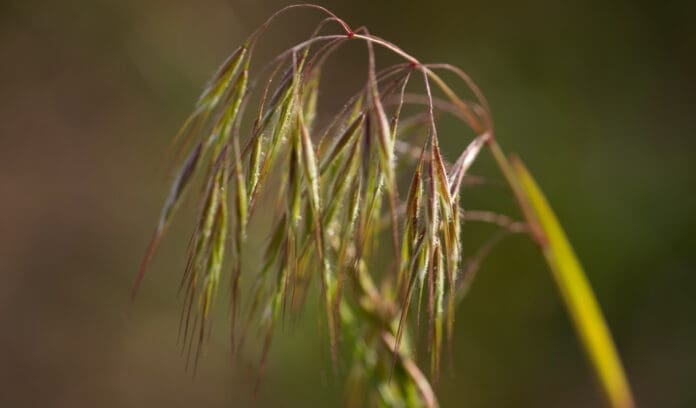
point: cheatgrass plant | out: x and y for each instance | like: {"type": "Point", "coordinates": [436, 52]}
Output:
{"type": "Point", "coordinates": [372, 181]}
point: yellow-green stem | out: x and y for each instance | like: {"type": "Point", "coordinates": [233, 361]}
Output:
{"type": "Point", "coordinates": [570, 278]}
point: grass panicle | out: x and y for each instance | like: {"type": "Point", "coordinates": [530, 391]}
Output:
{"type": "Point", "coordinates": [332, 194]}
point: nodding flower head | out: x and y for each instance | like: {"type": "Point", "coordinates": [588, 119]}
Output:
{"type": "Point", "coordinates": [332, 195]}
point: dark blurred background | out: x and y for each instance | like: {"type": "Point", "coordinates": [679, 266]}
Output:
{"type": "Point", "coordinates": [598, 97]}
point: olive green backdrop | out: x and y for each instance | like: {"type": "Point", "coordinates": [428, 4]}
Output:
{"type": "Point", "coordinates": [599, 98]}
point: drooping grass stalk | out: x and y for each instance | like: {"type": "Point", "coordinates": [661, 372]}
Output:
{"type": "Point", "coordinates": [577, 293]}
{"type": "Point", "coordinates": [334, 194]}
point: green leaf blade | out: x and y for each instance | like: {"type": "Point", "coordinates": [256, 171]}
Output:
{"type": "Point", "coordinates": [577, 294]}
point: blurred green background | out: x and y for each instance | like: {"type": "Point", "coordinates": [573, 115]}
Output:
{"type": "Point", "coordinates": [598, 97]}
